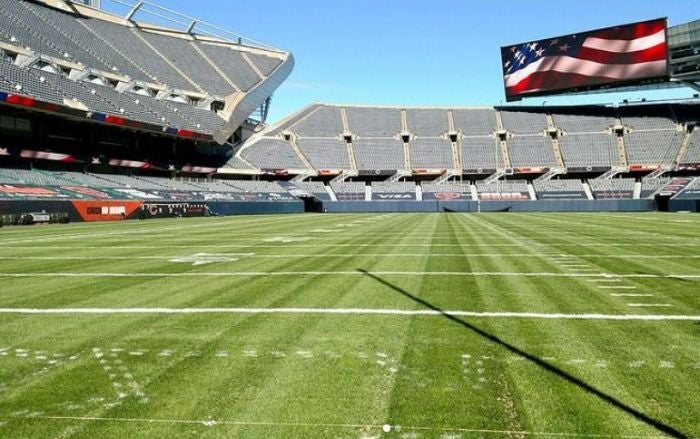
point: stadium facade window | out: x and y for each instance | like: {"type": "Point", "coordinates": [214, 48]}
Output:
{"type": "Point", "coordinates": [217, 106]}
{"type": "Point", "coordinates": [177, 98]}
{"type": "Point", "coordinates": [96, 80]}
{"type": "Point", "coordinates": [141, 91]}
{"type": "Point", "coordinates": [15, 125]}
{"type": "Point", "coordinates": [45, 67]}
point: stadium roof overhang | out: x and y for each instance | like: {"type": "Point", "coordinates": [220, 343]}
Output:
{"type": "Point", "coordinates": [239, 106]}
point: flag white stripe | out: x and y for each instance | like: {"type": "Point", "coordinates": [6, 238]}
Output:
{"type": "Point", "coordinates": [567, 64]}
{"type": "Point", "coordinates": [625, 46]}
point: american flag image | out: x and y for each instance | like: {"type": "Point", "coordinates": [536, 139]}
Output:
{"type": "Point", "coordinates": [625, 53]}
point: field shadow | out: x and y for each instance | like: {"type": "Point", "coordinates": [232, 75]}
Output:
{"type": "Point", "coordinates": [559, 373]}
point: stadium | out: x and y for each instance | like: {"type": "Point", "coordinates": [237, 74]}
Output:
{"type": "Point", "coordinates": [173, 263]}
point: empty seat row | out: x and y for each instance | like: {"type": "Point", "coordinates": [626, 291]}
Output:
{"type": "Point", "coordinates": [397, 187]}
{"type": "Point", "coordinates": [158, 184]}
{"type": "Point", "coordinates": [269, 153]}
{"type": "Point", "coordinates": [480, 153]}
{"type": "Point", "coordinates": [446, 187]}
{"type": "Point", "coordinates": [314, 187]}
{"type": "Point", "coordinates": [529, 151]}
{"type": "Point", "coordinates": [325, 153]}
{"type": "Point", "coordinates": [502, 186]}
{"type": "Point", "coordinates": [348, 187]}
{"type": "Point", "coordinates": [653, 147]}
{"type": "Point", "coordinates": [55, 88]}
{"type": "Point", "coordinates": [575, 123]}
{"type": "Point", "coordinates": [171, 60]}
{"type": "Point", "coordinates": [519, 122]}
{"type": "Point", "coordinates": [379, 154]}
{"type": "Point", "coordinates": [185, 57]}
{"type": "Point", "coordinates": [36, 178]}
{"type": "Point", "coordinates": [233, 63]}
{"type": "Point", "coordinates": [651, 186]}
{"type": "Point", "coordinates": [590, 149]}
{"type": "Point", "coordinates": [431, 153]}
{"type": "Point", "coordinates": [374, 122]}
{"type": "Point", "coordinates": [692, 155]}
{"type": "Point", "coordinates": [612, 185]}
{"type": "Point", "coordinates": [566, 185]}
{"type": "Point", "coordinates": [325, 121]}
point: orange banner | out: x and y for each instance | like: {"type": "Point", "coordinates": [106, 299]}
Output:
{"type": "Point", "coordinates": [105, 210]}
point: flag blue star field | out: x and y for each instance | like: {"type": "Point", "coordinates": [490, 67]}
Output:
{"type": "Point", "coordinates": [591, 59]}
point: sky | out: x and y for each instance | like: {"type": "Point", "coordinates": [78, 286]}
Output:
{"type": "Point", "coordinates": [417, 52]}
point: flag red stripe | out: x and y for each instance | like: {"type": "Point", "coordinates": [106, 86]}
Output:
{"type": "Point", "coordinates": [630, 32]}
{"type": "Point", "coordinates": [552, 80]}
{"type": "Point", "coordinates": [656, 53]}
{"type": "Point", "coordinates": [623, 46]}
{"type": "Point", "coordinates": [567, 64]}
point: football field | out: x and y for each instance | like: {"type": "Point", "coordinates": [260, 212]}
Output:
{"type": "Point", "coordinates": [353, 326]}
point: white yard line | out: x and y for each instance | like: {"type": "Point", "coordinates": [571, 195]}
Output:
{"type": "Point", "coordinates": [195, 243]}
{"type": "Point", "coordinates": [350, 273]}
{"type": "Point", "coordinates": [214, 422]}
{"type": "Point", "coordinates": [649, 305]}
{"type": "Point", "coordinates": [605, 280]}
{"type": "Point", "coordinates": [339, 255]}
{"type": "Point", "coordinates": [631, 295]}
{"type": "Point", "coordinates": [347, 311]}
{"type": "Point", "coordinates": [213, 226]}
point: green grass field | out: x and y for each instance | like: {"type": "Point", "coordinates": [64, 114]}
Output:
{"type": "Point", "coordinates": [344, 326]}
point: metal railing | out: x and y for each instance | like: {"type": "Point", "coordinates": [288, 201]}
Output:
{"type": "Point", "coordinates": [177, 20]}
